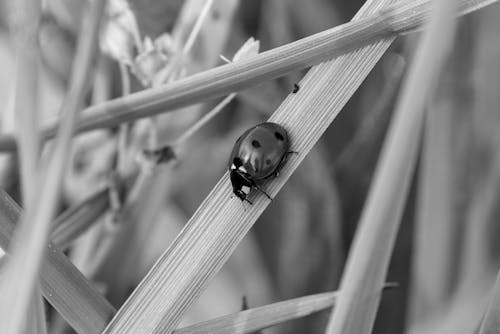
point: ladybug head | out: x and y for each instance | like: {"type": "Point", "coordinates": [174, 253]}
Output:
{"type": "Point", "coordinates": [242, 184]}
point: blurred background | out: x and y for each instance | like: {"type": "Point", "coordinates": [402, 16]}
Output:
{"type": "Point", "coordinates": [446, 256]}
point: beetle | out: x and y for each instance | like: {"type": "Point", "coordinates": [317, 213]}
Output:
{"type": "Point", "coordinates": [258, 154]}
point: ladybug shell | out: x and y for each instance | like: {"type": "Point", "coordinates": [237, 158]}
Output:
{"type": "Point", "coordinates": [261, 150]}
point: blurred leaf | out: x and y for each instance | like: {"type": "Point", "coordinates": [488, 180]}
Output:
{"type": "Point", "coordinates": [77, 219]}
{"type": "Point", "coordinates": [372, 247]}
{"type": "Point", "coordinates": [491, 321]}
{"type": "Point", "coordinates": [155, 17]}
{"type": "Point", "coordinates": [68, 13]}
{"type": "Point", "coordinates": [64, 287]}
{"type": "Point", "coordinates": [444, 178]}
{"type": "Point", "coordinates": [261, 317]}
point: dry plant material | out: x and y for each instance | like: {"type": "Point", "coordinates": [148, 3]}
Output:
{"type": "Point", "coordinates": [76, 220]}
{"type": "Point", "coordinates": [30, 240]}
{"type": "Point", "coordinates": [378, 115]}
{"type": "Point", "coordinates": [258, 318]}
{"type": "Point", "coordinates": [62, 284]}
{"type": "Point", "coordinates": [435, 223]}
{"type": "Point", "coordinates": [229, 78]}
{"type": "Point", "coordinates": [491, 320]}
{"type": "Point", "coordinates": [208, 239]}
{"type": "Point", "coordinates": [371, 250]}
{"type": "Point", "coordinates": [25, 29]}
{"type": "Point", "coordinates": [36, 317]}
{"type": "Point", "coordinates": [214, 231]}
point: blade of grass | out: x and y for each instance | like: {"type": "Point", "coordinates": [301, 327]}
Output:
{"type": "Point", "coordinates": [173, 70]}
{"type": "Point", "coordinates": [25, 29]}
{"type": "Point", "coordinates": [39, 309]}
{"type": "Point", "coordinates": [484, 167]}
{"type": "Point", "coordinates": [371, 250]}
{"type": "Point", "coordinates": [262, 317]}
{"type": "Point", "coordinates": [31, 236]}
{"type": "Point", "coordinates": [373, 122]}
{"type": "Point", "coordinates": [491, 321]}
{"type": "Point", "coordinates": [435, 227]}
{"type": "Point", "coordinates": [258, 318]}
{"type": "Point", "coordinates": [203, 120]}
{"type": "Point", "coordinates": [76, 220]}
{"type": "Point", "coordinates": [249, 48]}
{"type": "Point", "coordinates": [475, 264]}
{"type": "Point", "coordinates": [36, 322]}
{"type": "Point", "coordinates": [212, 234]}
{"type": "Point", "coordinates": [265, 66]}
{"type": "Point", "coordinates": [197, 27]}
{"type": "Point", "coordinates": [62, 284]}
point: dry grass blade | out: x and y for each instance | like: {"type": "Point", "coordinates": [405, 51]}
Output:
{"type": "Point", "coordinates": [491, 320]}
{"type": "Point", "coordinates": [25, 29]}
{"type": "Point", "coordinates": [76, 220]}
{"type": "Point", "coordinates": [197, 27]}
{"type": "Point", "coordinates": [27, 250]}
{"type": "Point", "coordinates": [62, 284]}
{"type": "Point", "coordinates": [203, 120]}
{"type": "Point", "coordinates": [372, 247]}
{"type": "Point", "coordinates": [38, 313]}
{"type": "Point", "coordinates": [267, 65]}
{"type": "Point", "coordinates": [433, 258]}
{"type": "Point", "coordinates": [262, 317]}
{"type": "Point", "coordinates": [212, 234]}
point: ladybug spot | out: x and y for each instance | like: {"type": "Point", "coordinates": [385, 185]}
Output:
{"type": "Point", "coordinates": [255, 143]}
{"type": "Point", "coordinates": [237, 162]}
{"type": "Point", "coordinates": [268, 161]}
{"type": "Point", "coordinates": [279, 136]}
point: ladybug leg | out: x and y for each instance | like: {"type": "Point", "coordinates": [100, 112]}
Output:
{"type": "Point", "coordinates": [262, 191]}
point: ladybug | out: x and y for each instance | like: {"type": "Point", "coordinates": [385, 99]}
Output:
{"type": "Point", "coordinates": [258, 154]}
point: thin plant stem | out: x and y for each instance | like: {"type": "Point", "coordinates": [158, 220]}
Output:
{"type": "Point", "coordinates": [27, 13]}
{"type": "Point", "coordinates": [203, 121]}
{"type": "Point", "coordinates": [254, 319]}
{"type": "Point", "coordinates": [77, 219]}
{"type": "Point", "coordinates": [124, 130]}
{"type": "Point", "coordinates": [197, 27]}
{"type": "Point", "coordinates": [174, 70]}
{"type": "Point", "coordinates": [26, 104]}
